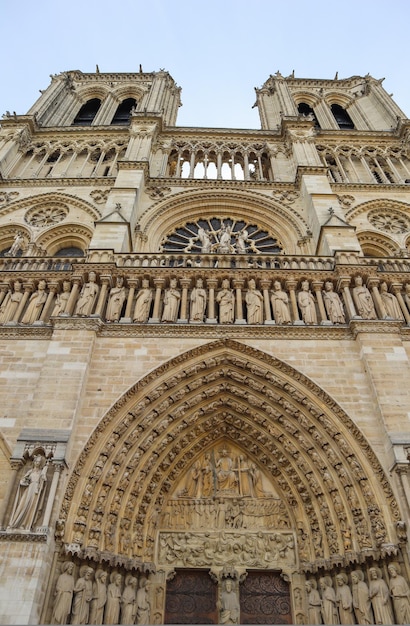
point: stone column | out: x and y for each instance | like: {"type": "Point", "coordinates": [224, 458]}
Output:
{"type": "Point", "coordinates": [3, 290]}
{"type": "Point", "coordinates": [372, 284]}
{"type": "Point", "coordinates": [396, 289]}
{"type": "Point", "coordinates": [317, 288]}
{"type": "Point", "coordinates": [105, 281]}
{"type": "Point", "coordinates": [51, 293]}
{"type": "Point", "coordinates": [238, 286]}
{"type": "Point", "coordinates": [265, 284]}
{"type": "Point", "coordinates": [291, 287]}
{"type": "Point", "coordinates": [183, 317]}
{"type": "Point", "coordinates": [73, 295]}
{"type": "Point", "coordinates": [132, 284]}
{"type": "Point", "coordinates": [11, 486]}
{"type": "Point", "coordinates": [158, 283]}
{"type": "Point", "coordinates": [58, 467]}
{"type": "Point", "coordinates": [212, 284]}
{"type": "Point", "coordinates": [343, 285]}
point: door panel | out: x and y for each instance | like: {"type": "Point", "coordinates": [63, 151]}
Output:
{"type": "Point", "coordinates": [191, 598]}
{"type": "Point", "coordinates": [265, 599]}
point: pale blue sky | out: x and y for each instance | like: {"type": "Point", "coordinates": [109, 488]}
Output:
{"type": "Point", "coordinates": [217, 51]}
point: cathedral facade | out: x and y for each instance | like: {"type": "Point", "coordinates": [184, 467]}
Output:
{"type": "Point", "coordinates": [205, 345]}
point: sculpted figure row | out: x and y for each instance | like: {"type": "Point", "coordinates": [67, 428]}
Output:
{"type": "Point", "coordinates": [23, 307]}
{"type": "Point", "coordinates": [377, 602]}
{"type": "Point", "coordinates": [89, 600]}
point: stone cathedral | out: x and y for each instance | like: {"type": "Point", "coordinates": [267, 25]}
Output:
{"type": "Point", "coordinates": [205, 357]}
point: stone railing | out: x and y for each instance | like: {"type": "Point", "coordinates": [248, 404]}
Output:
{"type": "Point", "coordinates": [204, 289]}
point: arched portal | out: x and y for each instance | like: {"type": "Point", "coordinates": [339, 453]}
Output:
{"type": "Point", "coordinates": [229, 460]}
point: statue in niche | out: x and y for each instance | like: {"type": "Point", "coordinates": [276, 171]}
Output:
{"type": "Point", "coordinates": [245, 477]}
{"type": "Point", "coordinates": [224, 245]}
{"type": "Point", "coordinates": [198, 302]}
{"type": "Point", "coordinates": [329, 608]}
{"type": "Point", "coordinates": [112, 607]}
{"type": "Point", "coordinates": [172, 299]}
{"type": "Point", "coordinates": [344, 600]}
{"type": "Point", "coordinates": [226, 300]}
{"type": "Point", "coordinates": [83, 594]}
{"type": "Point", "coordinates": [63, 594]}
{"type": "Point", "coordinates": [333, 304]}
{"type": "Point", "coordinates": [361, 599]}
{"type": "Point", "coordinates": [11, 302]}
{"type": "Point", "coordinates": [314, 603]}
{"type": "Point", "coordinates": [30, 495]}
{"type": "Point", "coordinates": [229, 606]}
{"type": "Point", "coordinates": [207, 476]}
{"type": "Point", "coordinates": [204, 238]}
{"type": "Point", "coordinates": [193, 488]}
{"type": "Point", "coordinates": [62, 299]}
{"type": "Point", "coordinates": [115, 301]}
{"type": "Point", "coordinates": [143, 303]}
{"type": "Point", "coordinates": [227, 480]}
{"type": "Point", "coordinates": [363, 300]}
{"type": "Point", "coordinates": [280, 304]}
{"type": "Point", "coordinates": [400, 592]}
{"type": "Point", "coordinates": [99, 597]}
{"type": "Point", "coordinates": [254, 303]}
{"type": "Point", "coordinates": [17, 245]}
{"type": "Point", "coordinates": [307, 306]}
{"type": "Point", "coordinates": [129, 601]}
{"type": "Point", "coordinates": [143, 606]}
{"type": "Point", "coordinates": [88, 296]}
{"type": "Point", "coordinates": [35, 304]}
{"type": "Point", "coordinates": [380, 597]}
{"type": "Point", "coordinates": [240, 244]}
{"type": "Point", "coordinates": [391, 304]}
{"type": "Point", "coordinates": [407, 296]}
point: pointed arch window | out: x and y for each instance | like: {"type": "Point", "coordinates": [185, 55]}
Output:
{"type": "Point", "coordinates": [87, 113]}
{"type": "Point", "coordinates": [342, 117]}
{"type": "Point", "coordinates": [306, 110]}
{"type": "Point", "coordinates": [123, 112]}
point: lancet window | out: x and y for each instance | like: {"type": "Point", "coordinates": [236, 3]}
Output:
{"type": "Point", "coordinates": [87, 112]}
{"type": "Point", "coordinates": [342, 117]}
{"type": "Point", "coordinates": [306, 111]}
{"type": "Point", "coordinates": [229, 162]}
{"type": "Point", "coordinates": [123, 112]}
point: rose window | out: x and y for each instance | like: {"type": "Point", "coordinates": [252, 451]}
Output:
{"type": "Point", "coordinates": [46, 216]}
{"type": "Point", "coordinates": [220, 236]}
{"type": "Point", "coordinates": [389, 221]}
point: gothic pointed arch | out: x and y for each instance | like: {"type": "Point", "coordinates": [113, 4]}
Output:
{"type": "Point", "coordinates": [334, 495]}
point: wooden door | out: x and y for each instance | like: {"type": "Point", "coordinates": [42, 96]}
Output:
{"type": "Point", "coordinates": [265, 599]}
{"type": "Point", "coordinates": [191, 598]}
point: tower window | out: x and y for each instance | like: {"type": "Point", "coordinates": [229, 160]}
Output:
{"type": "Point", "coordinates": [342, 117]}
{"type": "Point", "coordinates": [87, 113]}
{"type": "Point", "coordinates": [306, 110]}
{"type": "Point", "coordinates": [123, 112]}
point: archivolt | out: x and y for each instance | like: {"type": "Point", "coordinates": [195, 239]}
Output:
{"type": "Point", "coordinates": [336, 493]}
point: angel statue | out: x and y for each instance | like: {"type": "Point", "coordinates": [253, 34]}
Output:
{"type": "Point", "coordinates": [205, 240]}
{"type": "Point", "coordinates": [241, 239]}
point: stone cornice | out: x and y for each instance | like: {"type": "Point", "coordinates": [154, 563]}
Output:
{"type": "Point", "coordinates": [107, 181]}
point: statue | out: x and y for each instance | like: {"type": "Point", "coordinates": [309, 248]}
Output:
{"type": "Point", "coordinates": [63, 594]}
{"type": "Point", "coordinates": [83, 594]}
{"type": "Point", "coordinates": [30, 495]}
{"type": "Point", "coordinates": [99, 597]}
{"type": "Point", "coordinates": [198, 302]}
{"type": "Point", "coordinates": [62, 299]}
{"type": "Point", "coordinates": [230, 609]}
{"type": "Point", "coordinates": [207, 480]}
{"type": "Point", "coordinates": [307, 305]}
{"type": "Point", "coordinates": [254, 303]}
{"type": "Point", "coordinates": [380, 597]}
{"type": "Point", "coordinates": [241, 239]}
{"type": "Point", "coordinates": [333, 304]}
{"type": "Point", "coordinates": [390, 302]}
{"type": "Point", "coordinates": [225, 474]}
{"type": "Point", "coordinates": [224, 246]}
{"type": "Point", "coordinates": [361, 599]}
{"type": "Point", "coordinates": [88, 296]}
{"type": "Point", "coordinates": [206, 246]}
{"type": "Point", "coordinates": [226, 300]}
{"type": "Point", "coordinates": [344, 600]}
{"type": "Point", "coordinates": [17, 245]}
{"type": "Point", "coordinates": [400, 592]}
{"type": "Point", "coordinates": [128, 601]}
{"type": "Point", "coordinates": [280, 304]}
{"type": "Point", "coordinates": [11, 302]}
{"type": "Point", "coordinates": [363, 300]}
{"type": "Point", "coordinates": [314, 603]}
{"type": "Point", "coordinates": [329, 608]}
{"type": "Point", "coordinates": [172, 299]}
{"type": "Point", "coordinates": [112, 607]}
{"type": "Point", "coordinates": [143, 303]}
{"type": "Point", "coordinates": [115, 301]}
{"type": "Point", "coordinates": [143, 606]}
{"type": "Point", "coordinates": [36, 303]}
